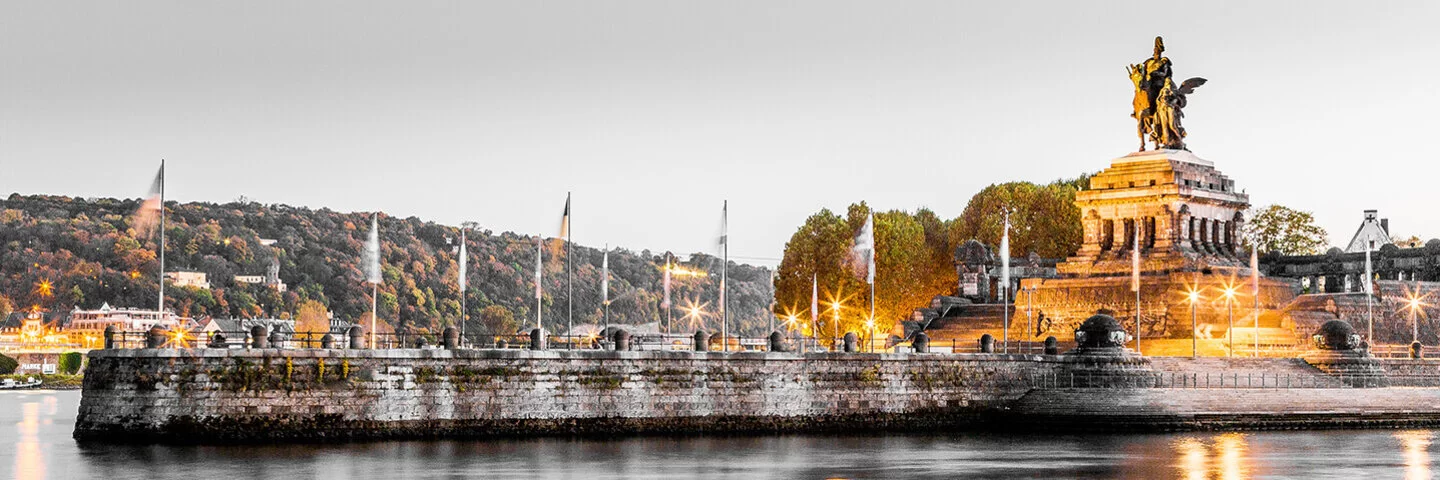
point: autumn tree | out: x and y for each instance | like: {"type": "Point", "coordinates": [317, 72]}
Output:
{"type": "Point", "coordinates": [312, 318]}
{"type": "Point", "coordinates": [1276, 228]}
{"type": "Point", "coordinates": [498, 320]}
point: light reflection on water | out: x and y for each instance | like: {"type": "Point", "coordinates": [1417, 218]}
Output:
{"type": "Point", "coordinates": [35, 443]}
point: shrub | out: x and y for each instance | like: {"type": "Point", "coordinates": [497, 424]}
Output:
{"type": "Point", "coordinates": [8, 365]}
{"type": "Point", "coordinates": [70, 362]}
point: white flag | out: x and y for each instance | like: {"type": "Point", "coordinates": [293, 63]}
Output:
{"type": "Point", "coordinates": [865, 244]}
{"type": "Point", "coordinates": [814, 301]}
{"type": "Point", "coordinates": [1369, 290]}
{"type": "Point", "coordinates": [666, 302]}
{"type": "Point", "coordinates": [1005, 256]}
{"type": "Point", "coordinates": [539, 249]}
{"type": "Point", "coordinates": [463, 257]}
{"type": "Point", "coordinates": [605, 276]}
{"type": "Point", "coordinates": [372, 252]}
{"type": "Point", "coordinates": [1135, 261]}
{"type": "Point", "coordinates": [148, 215]}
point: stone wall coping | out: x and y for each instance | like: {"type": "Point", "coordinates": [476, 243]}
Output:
{"type": "Point", "coordinates": [525, 354]}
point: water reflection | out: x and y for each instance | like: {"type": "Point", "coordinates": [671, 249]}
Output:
{"type": "Point", "coordinates": [29, 464]}
{"type": "Point", "coordinates": [1221, 456]}
{"type": "Point", "coordinates": [41, 447]}
{"type": "Point", "coordinates": [1416, 447]}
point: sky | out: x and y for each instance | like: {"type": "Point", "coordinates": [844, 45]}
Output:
{"type": "Point", "coordinates": [655, 112]}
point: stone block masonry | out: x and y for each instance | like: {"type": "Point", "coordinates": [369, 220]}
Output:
{"type": "Point", "coordinates": [221, 395]}
{"type": "Point", "coordinates": [234, 395]}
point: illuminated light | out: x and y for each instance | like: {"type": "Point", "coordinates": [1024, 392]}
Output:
{"type": "Point", "coordinates": [179, 338]}
{"type": "Point", "coordinates": [134, 274]}
{"type": "Point", "coordinates": [1416, 445]}
{"type": "Point", "coordinates": [1193, 296]}
{"type": "Point", "coordinates": [1230, 292]}
{"type": "Point", "coordinates": [44, 288]}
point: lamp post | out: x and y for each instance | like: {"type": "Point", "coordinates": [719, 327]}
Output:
{"type": "Point", "coordinates": [1029, 317]}
{"type": "Point", "coordinates": [1194, 326]}
{"type": "Point", "coordinates": [1230, 309]}
{"type": "Point", "coordinates": [870, 333]}
{"type": "Point", "coordinates": [1414, 326]}
{"type": "Point", "coordinates": [835, 325]}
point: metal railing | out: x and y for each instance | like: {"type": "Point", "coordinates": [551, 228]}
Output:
{"type": "Point", "coordinates": [1226, 380]}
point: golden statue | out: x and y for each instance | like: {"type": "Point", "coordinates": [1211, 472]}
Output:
{"type": "Point", "coordinates": [1158, 102]}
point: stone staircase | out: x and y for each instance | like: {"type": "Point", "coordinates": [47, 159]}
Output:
{"type": "Point", "coordinates": [971, 322]}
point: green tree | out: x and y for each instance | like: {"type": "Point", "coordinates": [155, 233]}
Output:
{"type": "Point", "coordinates": [8, 365]}
{"type": "Point", "coordinates": [70, 362]}
{"type": "Point", "coordinates": [1276, 228]}
{"type": "Point", "coordinates": [1043, 219]}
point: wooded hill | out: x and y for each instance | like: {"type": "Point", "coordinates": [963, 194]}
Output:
{"type": "Point", "coordinates": [59, 252]}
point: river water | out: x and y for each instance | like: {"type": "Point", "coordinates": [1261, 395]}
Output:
{"type": "Point", "coordinates": [35, 443]}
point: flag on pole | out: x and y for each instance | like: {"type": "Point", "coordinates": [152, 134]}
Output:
{"type": "Point", "coordinates": [148, 215]}
{"type": "Point", "coordinates": [666, 302]}
{"type": "Point", "coordinates": [1255, 270]}
{"type": "Point", "coordinates": [539, 253]}
{"type": "Point", "coordinates": [1135, 261]}
{"type": "Point", "coordinates": [605, 276]}
{"type": "Point", "coordinates": [865, 244]}
{"type": "Point", "coordinates": [1005, 256]}
{"type": "Point", "coordinates": [565, 219]}
{"type": "Point", "coordinates": [372, 252]}
{"type": "Point", "coordinates": [463, 257]}
{"type": "Point", "coordinates": [814, 304]}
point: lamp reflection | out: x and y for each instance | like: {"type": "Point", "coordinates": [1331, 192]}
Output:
{"type": "Point", "coordinates": [28, 460]}
{"type": "Point", "coordinates": [1222, 456]}
{"type": "Point", "coordinates": [1416, 446]}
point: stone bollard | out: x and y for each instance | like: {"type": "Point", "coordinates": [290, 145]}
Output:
{"type": "Point", "coordinates": [537, 339]}
{"type": "Point", "coordinates": [1052, 346]}
{"type": "Point", "coordinates": [451, 338]}
{"type": "Point", "coordinates": [702, 341]}
{"type": "Point", "coordinates": [218, 340]}
{"type": "Point", "coordinates": [110, 337]}
{"type": "Point", "coordinates": [327, 341]}
{"type": "Point", "coordinates": [502, 344]}
{"type": "Point", "coordinates": [852, 342]}
{"type": "Point", "coordinates": [777, 342]}
{"type": "Point", "coordinates": [1416, 350]}
{"type": "Point", "coordinates": [258, 337]}
{"type": "Point", "coordinates": [421, 343]}
{"type": "Point", "coordinates": [155, 338]}
{"type": "Point", "coordinates": [277, 339]}
{"type": "Point", "coordinates": [987, 343]}
{"type": "Point", "coordinates": [357, 337]}
{"type": "Point", "coordinates": [921, 343]}
{"type": "Point", "coordinates": [622, 340]}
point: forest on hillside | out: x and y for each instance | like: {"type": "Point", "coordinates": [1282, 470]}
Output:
{"type": "Point", "coordinates": [58, 252]}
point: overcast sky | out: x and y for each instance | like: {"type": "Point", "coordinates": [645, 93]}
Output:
{"type": "Point", "coordinates": [653, 112]}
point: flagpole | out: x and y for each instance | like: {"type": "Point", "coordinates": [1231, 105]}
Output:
{"type": "Point", "coordinates": [374, 285]}
{"type": "Point", "coordinates": [1369, 294]}
{"type": "Point", "coordinates": [161, 308]}
{"type": "Point", "coordinates": [1005, 283]}
{"type": "Point", "coordinates": [539, 308]}
{"type": "Point", "coordinates": [569, 276]}
{"type": "Point", "coordinates": [605, 293]}
{"type": "Point", "coordinates": [1135, 265]}
{"type": "Point", "coordinates": [724, 262]}
{"type": "Point", "coordinates": [462, 284]}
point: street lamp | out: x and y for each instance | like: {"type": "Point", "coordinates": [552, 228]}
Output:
{"type": "Point", "coordinates": [1414, 304]}
{"type": "Point", "coordinates": [870, 333]}
{"type": "Point", "coordinates": [836, 324]}
{"type": "Point", "coordinates": [1194, 326]}
{"type": "Point", "coordinates": [1230, 307]}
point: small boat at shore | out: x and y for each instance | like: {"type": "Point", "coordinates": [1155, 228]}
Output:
{"type": "Point", "coordinates": [11, 384]}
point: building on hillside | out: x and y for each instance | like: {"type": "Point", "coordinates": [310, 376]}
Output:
{"type": "Point", "coordinates": [271, 277]}
{"type": "Point", "coordinates": [32, 331]}
{"type": "Point", "coordinates": [188, 279]}
{"type": "Point", "coordinates": [1372, 234]}
{"type": "Point", "coordinates": [91, 323]}
{"type": "Point", "coordinates": [1343, 271]}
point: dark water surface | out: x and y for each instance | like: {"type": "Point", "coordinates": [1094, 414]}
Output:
{"type": "Point", "coordinates": [35, 443]}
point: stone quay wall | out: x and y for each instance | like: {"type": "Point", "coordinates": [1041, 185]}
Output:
{"type": "Point", "coordinates": [235, 395]}
{"type": "Point", "coordinates": [246, 395]}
